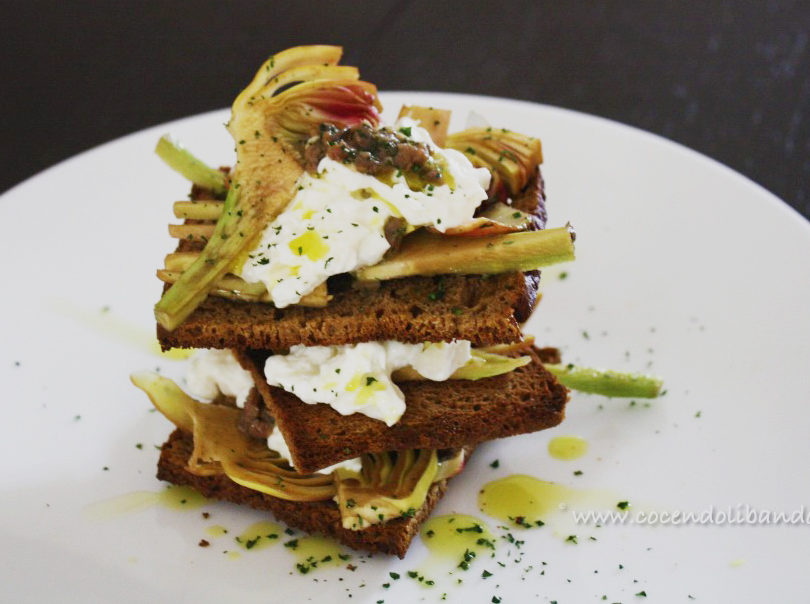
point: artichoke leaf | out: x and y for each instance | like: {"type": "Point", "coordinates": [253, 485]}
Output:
{"type": "Point", "coordinates": [220, 447]}
{"type": "Point", "coordinates": [511, 157]}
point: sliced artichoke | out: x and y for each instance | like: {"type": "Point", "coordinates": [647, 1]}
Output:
{"type": "Point", "coordinates": [512, 158]}
{"type": "Point", "coordinates": [390, 485]}
{"type": "Point", "coordinates": [483, 364]}
{"type": "Point", "coordinates": [290, 96]}
{"type": "Point", "coordinates": [219, 446]}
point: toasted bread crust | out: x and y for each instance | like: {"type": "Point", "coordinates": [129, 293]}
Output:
{"type": "Point", "coordinates": [485, 311]}
{"type": "Point", "coordinates": [438, 415]}
{"type": "Point", "coordinates": [321, 517]}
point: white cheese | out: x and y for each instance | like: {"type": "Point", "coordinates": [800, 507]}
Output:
{"type": "Point", "coordinates": [335, 222]}
{"type": "Point", "coordinates": [276, 442]}
{"type": "Point", "coordinates": [357, 378]}
{"type": "Point", "coordinates": [212, 372]}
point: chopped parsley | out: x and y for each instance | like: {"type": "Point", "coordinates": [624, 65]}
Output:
{"type": "Point", "coordinates": [465, 560]}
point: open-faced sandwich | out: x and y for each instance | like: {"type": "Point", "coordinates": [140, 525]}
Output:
{"type": "Point", "coordinates": [358, 289]}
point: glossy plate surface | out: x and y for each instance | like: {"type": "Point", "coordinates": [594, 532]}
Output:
{"type": "Point", "coordinates": [685, 269]}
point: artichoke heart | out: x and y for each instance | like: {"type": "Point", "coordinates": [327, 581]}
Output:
{"type": "Point", "coordinates": [219, 446]}
{"type": "Point", "coordinates": [390, 485]}
{"type": "Point", "coordinates": [512, 158]}
{"type": "Point", "coordinates": [291, 95]}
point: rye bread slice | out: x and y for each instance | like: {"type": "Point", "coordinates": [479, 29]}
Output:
{"type": "Point", "coordinates": [486, 311]}
{"type": "Point", "coordinates": [438, 415]}
{"type": "Point", "coordinates": [321, 517]}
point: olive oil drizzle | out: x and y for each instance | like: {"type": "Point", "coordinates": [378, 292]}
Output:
{"type": "Point", "coordinates": [457, 538]}
{"type": "Point", "coordinates": [172, 497]}
{"type": "Point", "coordinates": [259, 535]}
{"type": "Point", "coordinates": [567, 448]}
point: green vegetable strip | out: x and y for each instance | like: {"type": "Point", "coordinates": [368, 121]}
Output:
{"type": "Point", "coordinates": [482, 365]}
{"type": "Point", "coordinates": [231, 235]}
{"type": "Point", "coordinates": [185, 163]}
{"type": "Point", "coordinates": [438, 255]}
{"type": "Point", "coordinates": [493, 364]}
{"type": "Point", "coordinates": [606, 382]}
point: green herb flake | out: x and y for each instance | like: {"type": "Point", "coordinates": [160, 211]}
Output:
{"type": "Point", "coordinates": [438, 293]}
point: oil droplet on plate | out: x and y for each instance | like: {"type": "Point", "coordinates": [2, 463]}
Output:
{"type": "Point", "coordinates": [174, 497]}
{"type": "Point", "coordinates": [216, 530]}
{"type": "Point", "coordinates": [567, 448]}
{"type": "Point", "coordinates": [451, 536]}
{"type": "Point", "coordinates": [181, 498]}
{"type": "Point", "coordinates": [118, 328]}
{"type": "Point", "coordinates": [524, 497]}
{"type": "Point", "coordinates": [259, 535]}
{"type": "Point", "coordinates": [316, 552]}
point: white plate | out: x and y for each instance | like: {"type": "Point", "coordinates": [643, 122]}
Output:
{"type": "Point", "coordinates": [684, 268]}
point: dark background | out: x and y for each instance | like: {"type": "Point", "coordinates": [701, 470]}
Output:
{"type": "Point", "coordinates": [730, 79]}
